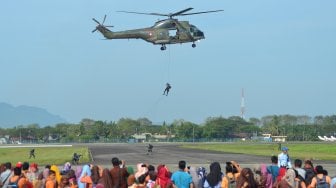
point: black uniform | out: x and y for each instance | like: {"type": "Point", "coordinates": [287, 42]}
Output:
{"type": "Point", "coordinates": [150, 149]}
{"type": "Point", "coordinates": [75, 158]}
{"type": "Point", "coordinates": [165, 92]}
{"type": "Point", "coordinates": [32, 153]}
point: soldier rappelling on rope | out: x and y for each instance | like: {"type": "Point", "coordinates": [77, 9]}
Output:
{"type": "Point", "coordinates": [166, 91]}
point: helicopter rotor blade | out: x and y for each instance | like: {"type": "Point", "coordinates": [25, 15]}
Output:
{"type": "Point", "coordinates": [180, 12]}
{"type": "Point", "coordinates": [171, 15]}
{"type": "Point", "coordinates": [104, 20]}
{"type": "Point", "coordinates": [96, 21]}
{"type": "Point", "coordinates": [159, 14]}
{"type": "Point", "coordinates": [200, 12]}
{"type": "Point", "coordinates": [155, 14]}
{"type": "Point", "coordinates": [101, 26]}
{"type": "Point", "coordinates": [94, 30]}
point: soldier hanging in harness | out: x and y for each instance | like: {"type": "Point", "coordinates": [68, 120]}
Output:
{"type": "Point", "coordinates": [166, 91]}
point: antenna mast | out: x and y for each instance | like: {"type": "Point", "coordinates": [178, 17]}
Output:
{"type": "Point", "coordinates": [242, 105]}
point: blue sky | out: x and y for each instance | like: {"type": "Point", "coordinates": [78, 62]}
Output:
{"type": "Point", "coordinates": [281, 52]}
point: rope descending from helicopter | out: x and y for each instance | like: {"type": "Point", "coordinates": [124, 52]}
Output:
{"type": "Point", "coordinates": [168, 86]}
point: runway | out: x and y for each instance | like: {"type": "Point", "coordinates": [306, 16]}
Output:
{"type": "Point", "coordinates": [170, 153]}
{"type": "Point", "coordinates": [164, 154]}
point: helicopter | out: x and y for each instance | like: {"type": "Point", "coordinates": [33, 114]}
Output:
{"type": "Point", "coordinates": [163, 32]}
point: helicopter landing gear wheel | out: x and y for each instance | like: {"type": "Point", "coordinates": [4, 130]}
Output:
{"type": "Point", "coordinates": [163, 47]}
{"type": "Point", "coordinates": [193, 45]}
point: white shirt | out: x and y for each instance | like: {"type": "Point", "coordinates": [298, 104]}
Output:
{"type": "Point", "coordinates": [206, 184]}
{"type": "Point", "coordinates": [4, 178]}
{"type": "Point", "coordinates": [283, 160]}
{"type": "Point", "coordinates": [301, 172]}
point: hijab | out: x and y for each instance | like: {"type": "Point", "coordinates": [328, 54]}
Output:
{"type": "Point", "coordinates": [141, 169]}
{"type": "Point", "coordinates": [86, 171]}
{"type": "Point", "coordinates": [163, 176]}
{"type": "Point", "coordinates": [58, 174]}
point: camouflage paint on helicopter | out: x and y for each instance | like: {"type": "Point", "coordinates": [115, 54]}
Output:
{"type": "Point", "coordinates": [167, 31]}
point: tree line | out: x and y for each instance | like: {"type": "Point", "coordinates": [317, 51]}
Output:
{"type": "Point", "coordinates": [296, 128]}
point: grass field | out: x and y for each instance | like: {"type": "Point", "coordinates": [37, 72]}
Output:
{"type": "Point", "coordinates": [44, 155]}
{"type": "Point", "coordinates": [315, 151]}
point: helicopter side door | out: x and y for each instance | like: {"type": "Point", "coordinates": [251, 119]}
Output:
{"type": "Point", "coordinates": [162, 34]}
{"type": "Point", "coordinates": [173, 34]}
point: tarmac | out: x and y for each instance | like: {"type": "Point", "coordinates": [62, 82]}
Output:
{"type": "Point", "coordinates": [170, 153]}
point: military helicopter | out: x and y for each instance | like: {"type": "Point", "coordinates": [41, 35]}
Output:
{"type": "Point", "coordinates": [166, 31]}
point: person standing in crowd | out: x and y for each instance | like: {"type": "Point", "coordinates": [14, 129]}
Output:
{"type": "Point", "coordinates": [95, 175]}
{"type": "Point", "coordinates": [163, 176]}
{"type": "Point", "coordinates": [283, 158]}
{"type": "Point", "coordinates": [119, 173]}
{"type": "Point", "coordinates": [151, 183]}
{"type": "Point", "coordinates": [32, 173]}
{"type": "Point", "coordinates": [273, 168]}
{"type": "Point", "coordinates": [84, 180]}
{"type": "Point", "coordinates": [246, 179]}
{"type": "Point", "coordinates": [106, 179]}
{"type": "Point", "coordinates": [232, 172]}
{"type": "Point", "coordinates": [310, 172]}
{"type": "Point", "coordinates": [6, 174]}
{"type": "Point", "coordinates": [196, 177]}
{"type": "Point", "coordinates": [299, 180]}
{"type": "Point", "coordinates": [265, 179]}
{"type": "Point", "coordinates": [214, 178]}
{"type": "Point", "coordinates": [181, 178]}
{"type": "Point", "coordinates": [51, 180]}
{"type": "Point", "coordinates": [298, 168]}
{"type": "Point", "coordinates": [320, 180]}
{"type": "Point", "coordinates": [25, 174]}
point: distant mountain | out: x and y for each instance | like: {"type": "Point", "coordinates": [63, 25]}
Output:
{"type": "Point", "coordinates": [11, 116]}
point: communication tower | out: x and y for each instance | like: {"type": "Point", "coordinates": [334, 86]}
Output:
{"type": "Point", "coordinates": [242, 105]}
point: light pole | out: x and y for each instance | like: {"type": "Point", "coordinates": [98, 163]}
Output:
{"type": "Point", "coordinates": [193, 133]}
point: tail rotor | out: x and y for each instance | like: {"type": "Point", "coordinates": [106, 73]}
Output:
{"type": "Point", "coordinates": [101, 27]}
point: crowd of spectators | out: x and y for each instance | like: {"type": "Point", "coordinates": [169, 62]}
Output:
{"type": "Point", "coordinates": [275, 174]}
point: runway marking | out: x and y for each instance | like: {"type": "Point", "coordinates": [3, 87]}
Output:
{"type": "Point", "coordinates": [35, 146]}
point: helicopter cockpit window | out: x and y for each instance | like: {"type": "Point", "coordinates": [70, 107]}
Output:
{"type": "Point", "coordinates": [195, 31]}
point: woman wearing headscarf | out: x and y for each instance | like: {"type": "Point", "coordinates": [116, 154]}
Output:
{"type": "Point", "coordinates": [78, 172]}
{"type": "Point", "coordinates": [246, 179]}
{"type": "Point", "coordinates": [84, 179]}
{"type": "Point", "coordinates": [281, 180]}
{"type": "Point", "coordinates": [141, 169]}
{"type": "Point", "coordinates": [262, 177]}
{"type": "Point", "coordinates": [214, 178]}
{"type": "Point", "coordinates": [66, 168]}
{"type": "Point", "coordinates": [57, 171]}
{"type": "Point", "coordinates": [266, 177]}
{"type": "Point", "coordinates": [163, 176]}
